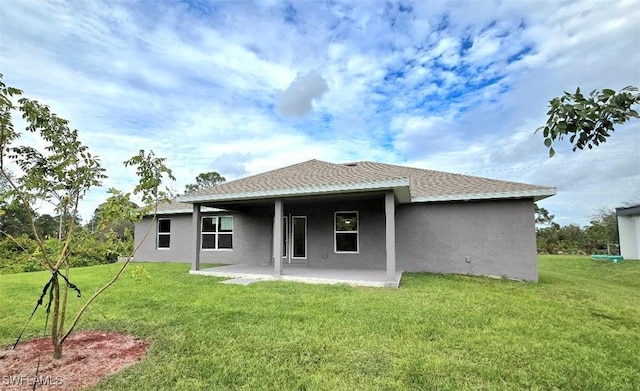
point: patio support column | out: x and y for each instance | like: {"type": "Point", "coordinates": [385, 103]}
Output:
{"type": "Point", "coordinates": [390, 234]}
{"type": "Point", "coordinates": [196, 232]}
{"type": "Point", "coordinates": [277, 238]}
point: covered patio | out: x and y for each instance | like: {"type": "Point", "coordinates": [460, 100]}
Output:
{"type": "Point", "coordinates": [307, 274]}
{"type": "Point", "coordinates": [301, 237]}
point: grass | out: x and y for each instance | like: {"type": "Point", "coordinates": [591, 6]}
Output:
{"type": "Point", "coordinates": [577, 329]}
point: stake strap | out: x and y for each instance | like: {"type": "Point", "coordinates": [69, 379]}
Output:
{"type": "Point", "coordinates": [48, 287]}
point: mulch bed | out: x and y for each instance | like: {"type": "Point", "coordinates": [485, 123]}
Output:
{"type": "Point", "coordinates": [87, 357]}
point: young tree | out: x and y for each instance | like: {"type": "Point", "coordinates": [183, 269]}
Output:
{"type": "Point", "coordinates": [588, 120]}
{"type": "Point", "coordinates": [61, 174]}
{"type": "Point", "coordinates": [204, 180]}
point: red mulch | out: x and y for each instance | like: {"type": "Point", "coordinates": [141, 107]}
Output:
{"type": "Point", "coordinates": [87, 357]}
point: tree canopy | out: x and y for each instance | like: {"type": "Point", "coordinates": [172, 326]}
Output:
{"type": "Point", "coordinates": [588, 121]}
{"type": "Point", "coordinates": [542, 215]}
{"type": "Point", "coordinates": [204, 180]}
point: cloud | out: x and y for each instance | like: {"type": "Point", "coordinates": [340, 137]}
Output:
{"type": "Point", "coordinates": [296, 100]}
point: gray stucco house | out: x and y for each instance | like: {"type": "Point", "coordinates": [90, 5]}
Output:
{"type": "Point", "coordinates": [629, 231]}
{"type": "Point", "coordinates": [355, 216]}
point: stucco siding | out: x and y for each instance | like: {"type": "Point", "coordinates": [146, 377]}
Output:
{"type": "Point", "coordinates": [482, 238]}
{"type": "Point", "coordinates": [146, 237]}
{"type": "Point", "coordinates": [251, 240]}
{"type": "Point", "coordinates": [629, 231]}
{"type": "Point", "coordinates": [320, 226]}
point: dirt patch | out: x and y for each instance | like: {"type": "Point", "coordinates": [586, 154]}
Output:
{"type": "Point", "coordinates": [88, 356]}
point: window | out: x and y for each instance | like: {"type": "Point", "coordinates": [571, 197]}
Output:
{"type": "Point", "coordinates": [217, 233]}
{"type": "Point", "coordinates": [346, 232]}
{"type": "Point", "coordinates": [164, 233]}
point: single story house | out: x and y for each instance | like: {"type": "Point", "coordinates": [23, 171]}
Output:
{"type": "Point", "coordinates": [363, 216]}
{"type": "Point", "coordinates": [629, 231]}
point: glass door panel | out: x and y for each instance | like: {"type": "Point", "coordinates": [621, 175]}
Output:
{"type": "Point", "coordinates": [299, 236]}
{"type": "Point", "coordinates": [285, 237]}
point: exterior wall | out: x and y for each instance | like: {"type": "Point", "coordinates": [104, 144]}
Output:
{"type": "Point", "coordinates": [482, 238]}
{"type": "Point", "coordinates": [629, 231]}
{"type": "Point", "coordinates": [497, 236]}
{"type": "Point", "coordinates": [320, 233]}
{"type": "Point", "coordinates": [252, 236]}
{"type": "Point", "coordinates": [251, 240]}
{"type": "Point", "coordinates": [180, 235]}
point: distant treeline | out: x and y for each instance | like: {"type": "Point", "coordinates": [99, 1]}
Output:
{"type": "Point", "coordinates": [599, 237]}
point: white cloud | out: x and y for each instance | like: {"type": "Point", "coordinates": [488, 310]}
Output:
{"type": "Point", "coordinates": [297, 98]}
{"type": "Point", "coordinates": [484, 47]}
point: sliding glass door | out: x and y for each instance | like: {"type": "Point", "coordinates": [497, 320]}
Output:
{"type": "Point", "coordinates": [294, 237]}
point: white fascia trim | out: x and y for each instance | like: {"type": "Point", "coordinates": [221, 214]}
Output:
{"type": "Point", "coordinates": [537, 195]}
{"type": "Point", "coordinates": [186, 211]}
{"type": "Point", "coordinates": [302, 191]}
{"type": "Point", "coordinates": [172, 211]}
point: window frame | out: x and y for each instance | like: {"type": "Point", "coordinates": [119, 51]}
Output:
{"type": "Point", "coordinates": [336, 232]}
{"type": "Point", "coordinates": [216, 233]}
{"type": "Point", "coordinates": [158, 233]}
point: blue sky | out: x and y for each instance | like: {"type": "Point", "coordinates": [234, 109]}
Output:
{"type": "Point", "coordinates": [243, 87]}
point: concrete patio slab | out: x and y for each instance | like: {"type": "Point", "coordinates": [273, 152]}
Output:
{"type": "Point", "coordinates": [240, 281]}
{"type": "Point", "coordinates": [306, 274]}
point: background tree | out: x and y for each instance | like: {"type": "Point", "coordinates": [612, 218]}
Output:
{"type": "Point", "coordinates": [5, 188]}
{"type": "Point", "coordinates": [602, 231]}
{"type": "Point", "coordinates": [204, 180]}
{"type": "Point", "coordinates": [14, 220]}
{"type": "Point", "coordinates": [5, 200]}
{"type": "Point", "coordinates": [596, 237]}
{"type": "Point", "coordinates": [47, 226]}
{"type": "Point", "coordinates": [588, 120]}
{"type": "Point", "coordinates": [121, 228]}
{"type": "Point", "coordinates": [119, 237]}
{"type": "Point", "coordinates": [61, 174]}
{"type": "Point", "coordinates": [542, 215]}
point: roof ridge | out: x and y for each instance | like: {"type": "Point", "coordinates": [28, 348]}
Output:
{"type": "Point", "coordinates": [314, 173]}
{"type": "Point", "coordinates": [431, 171]}
{"type": "Point", "coordinates": [260, 174]}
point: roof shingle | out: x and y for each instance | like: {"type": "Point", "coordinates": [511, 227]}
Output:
{"type": "Point", "coordinates": [315, 173]}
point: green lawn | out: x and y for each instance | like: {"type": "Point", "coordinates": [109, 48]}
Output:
{"type": "Point", "coordinates": [579, 328]}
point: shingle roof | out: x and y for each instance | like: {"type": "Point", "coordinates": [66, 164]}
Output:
{"type": "Point", "coordinates": [175, 207]}
{"type": "Point", "coordinates": [424, 185]}
{"type": "Point", "coordinates": [628, 210]}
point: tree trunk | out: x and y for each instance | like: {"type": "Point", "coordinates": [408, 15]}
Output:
{"type": "Point", "coordinates": [57, 351]}
{"type": "Point", "coordinates": [55, 333]}
{"type": "Point", "coordinates": [63, 305]}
